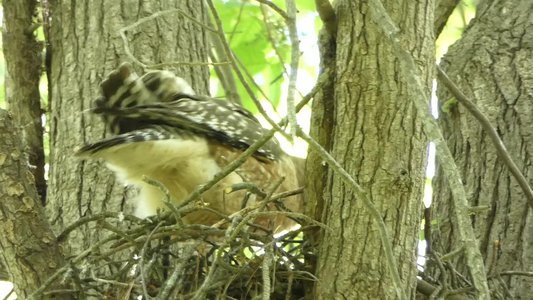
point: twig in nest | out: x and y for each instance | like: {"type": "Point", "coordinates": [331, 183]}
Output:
{"type": "Point", "coordinates": [167, 199]}
{"type": "Point", "coordinates": [106, 215]}
{"type": "Point", "coordinates": [452, 254]}
{"type": "Point", "coordinates": [107, 281]}
{"type": "Point", "coordinates": [443, 276]}
{"type": "Point", "coordinates": [252, 188]}
{"type": "Point", "coordinates": [65, 268]}
{"type": "Point", "coordinates": [267, 262]}
{"type": "Point", "coordinates": [171, 282]}
{"type": "Point", "coordinates": [141, 261]}
{"type": "Point", "coordinates": [513, 273]}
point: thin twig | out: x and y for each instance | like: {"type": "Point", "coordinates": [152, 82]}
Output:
{"type": "Point", "coordinates": [9, 294]}
{"type": "Point", "coordinates": [452, 254]}
{"type": "Point", "coordinates": [327, 15]}
{"type": "Point", "coordinates": [246, 212]}
{"type": "Point", "coordinates": [289, 287]}
{"type": "Point", "coordinates": [229, 168]}
{"type": "Point", "coordinates": [444, 285]}
{"type": "Point", "coordinates": [66, 267]}
{"type": "Point", "coordinates": [250, 77]}
{"type": "Point", "coordinates": [491, 131]}
{"type": "Point", "coordinates": [252, 188]}
{"type": "Point", "coordinates": [276, 8]}
{"type": "Point", "coordinates": [101, 216]}
{"type": "Point", "coordinates": [295, 58]}
{"type": "Point", "coordinates": [141, 261]}
{"type": "Point", "coordinates": [202, 290]}
{"type": "Point", "coordinates": [122, 32]}
{"type": "Point", "coordinates": [272, 39]}
{"type": "Point", "coordinates": [188, 232]}
{"type": "Point", "coordinates": [458, 291]}
{"type": "Point", "coordinates": [237, 23]}
{"type": "Point", "coordinates": [171, 282]}
{"type": "Point", "coordinates": [321, 81]}
{"type": "Point", "coordinates": [513, 273]}
{"type": "Point", "coordinates": [116, 230]}
{"type": "Point", "coordinates": [288, 193]}
{"type": "Point", "coordinates": [224, 73]}
{"type": "Point", "coordinates": [267, 263]}
{"type": "Point", "coordinates": [169, 202]}
{"type": "Point", "coordinates": [187, 63]}
{"type": "Point", "coordinates": [107, 281]}
{"type": "Point", "coordinates": [231, 57]}
{"type": "Point", "coordinates": [147, 267]}
{"type": "Point", "coordinates": [295, 215]}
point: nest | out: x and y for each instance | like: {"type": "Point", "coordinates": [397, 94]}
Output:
{"type": "Point", "coordinates": [163, 258]}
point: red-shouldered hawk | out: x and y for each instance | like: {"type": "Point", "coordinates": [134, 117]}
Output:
{"type": "Point", "coordinates": [162, 130]}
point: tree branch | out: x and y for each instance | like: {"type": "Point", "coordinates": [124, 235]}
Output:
{"type": "Point", "coordinates": [327, 15]}
{"type": "Point", "coordinates": [295, 58]}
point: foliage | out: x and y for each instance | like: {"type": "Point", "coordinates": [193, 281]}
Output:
{"type": "Point", "coordinates": [456, 25]}
{"type": "Point", "coordinates": [259, 38]}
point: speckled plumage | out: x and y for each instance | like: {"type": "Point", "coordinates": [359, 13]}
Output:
{"type": "Point", "coordinates": [162, 130]}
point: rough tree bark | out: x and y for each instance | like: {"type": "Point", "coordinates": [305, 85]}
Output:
{"type": "Point", "coordinates": [373, 130]}
{"type": "Point", "coordinates": [27, 243]}
{"type": "Point", "coordinates": [85, 46]}
{"type": "Point", "coordinates": [492, 65]}
{"type": "Point", "coordinates": [22, 54]}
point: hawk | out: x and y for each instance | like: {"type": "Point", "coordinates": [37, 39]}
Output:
{"type": "Point", "coordinates": [162, 130]}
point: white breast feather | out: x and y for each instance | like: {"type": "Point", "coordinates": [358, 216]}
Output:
{"type": "Point", "coordinates": [181, 165]}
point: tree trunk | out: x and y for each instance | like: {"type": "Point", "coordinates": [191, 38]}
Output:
{"type": "Point", "coordinates": [27, 243]}
{"type": "Point", "coordinates": [375, 134]}
{"type": "Point", "coordinates": [22, 53]}
{"type": "Point", "coordinates": [85, 46]}
{"type": "Point", "coordinates": [492, 65]}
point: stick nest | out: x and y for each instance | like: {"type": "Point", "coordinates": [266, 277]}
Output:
{"type": "Point", "coordinates": [163, 258]}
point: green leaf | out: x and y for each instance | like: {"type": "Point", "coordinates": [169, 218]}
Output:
{"type": "Point", "coordinates": [449, 104]}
